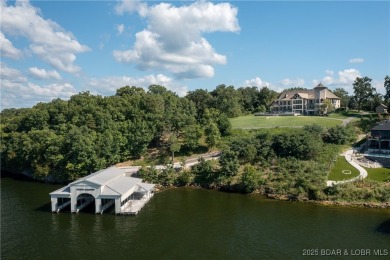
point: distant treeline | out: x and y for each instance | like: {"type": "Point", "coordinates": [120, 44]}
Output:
{"type": "Point", "coordinates": [64, 140]}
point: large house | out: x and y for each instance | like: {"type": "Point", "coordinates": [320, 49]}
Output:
{"type": "Point", "coordinates": [306, 101]}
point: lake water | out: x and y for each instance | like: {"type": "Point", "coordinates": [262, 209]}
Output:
{"type": "Point", "coordinates": [186, 224]}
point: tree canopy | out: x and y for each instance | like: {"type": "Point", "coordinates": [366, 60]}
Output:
{"type": "Point", "coordinates": [65, 140]}
{"type": "Point", "coordinates": [363, 91]}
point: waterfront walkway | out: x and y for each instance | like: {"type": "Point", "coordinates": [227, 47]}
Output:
{"type": "Point", "coordinates": [348, 156]}
{"type": "Point", "coordinates": [188, 163]}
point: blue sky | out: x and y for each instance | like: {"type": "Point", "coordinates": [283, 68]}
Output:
{"type": "Point", "coordinates": [54, 49]}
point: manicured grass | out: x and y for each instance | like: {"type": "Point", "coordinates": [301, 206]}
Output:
{"type": "Point", "coordinates": [249, 122]}
{"type": "Point", "coordinates": [341, 165]}
{"type": "Point", "coordinates": [337, 115]}
{"type": "Point", "coordinates": [378, 174]}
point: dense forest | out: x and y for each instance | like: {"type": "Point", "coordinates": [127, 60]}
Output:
{"type": "Point", "coordinates": [62, 141]}
{"type": "Point", "coordinates": [65, 140]}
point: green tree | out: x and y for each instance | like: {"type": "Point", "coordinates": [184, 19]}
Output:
{"type": "Point", "coordinates": [229, 163]}
{"type": "Point", "coordinates": [250, 179]}
{"type": "Point", "coordinates": [245, 147]}
{"type": "Point", "coordinates": [224, 125]}
{"type": "Point", "coordinates": [158, 90]}
{"type": "Point", "coordinates": [129, 91]}
{"type": "Point", "coordinates": [375, 100]}
{"type": "Point", "coordinates": [138, 134]}
{"type": "Point", "coordinates": [265, 97]}
{"type": "Point", "coordinates": [174, 145]}
{"type": "Point", "coordinates": [167, 176]}
{"type": "Point", "coordinates": [192, 134]}
{"type": "Point", "coordinates": [149, 174]}
{"type": "Point", "coordinates": [185, 177]}
{"type": "Point", "coordinates": [296, 144]}
{"type": "Point", "coordinates": [326, 107]}
{"type": "Point", "coordinates": [340, 135]}
{"type": "Point", "coordinates": [249, 98]}
{"type": "Point", "coordinates": [202, 99]}
{"type": "Point", "coordinates": [387, 89]}
{"type": "Point", "coordinates": [227, 100]}
{"type": "Point", "coordinates": [203, 172]}
{"type": "Point", "coordinates": [213, 136]}
{"type": "Point", "coordinates": [314, 129]}
{"type": "Point", "coordinates": [363, 91]}
{"type": "Point", "coordinates": [343, 95]}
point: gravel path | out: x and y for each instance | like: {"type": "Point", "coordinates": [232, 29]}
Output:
{"type": "Point", "coordinates": [189, 162]}
{"type": "Point", "coordinates": [347, 121]}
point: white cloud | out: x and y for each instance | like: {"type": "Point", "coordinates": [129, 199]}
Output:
{"type": "Point", "coordinates": [130, 6]}
{"type": "Point", "coordinates": [173, 38]}
{"type": "Point", "coordinates": [347, 77]}
{"type": "Point", "coordinates": [10, 74]}
{"type": "Point", "coordinates": [120, 28]}
{"type": "Point", "coordinates": [255, 82]}
{"type": "Point", "coordinates": [44, 74]}
{"type": "Point", "coordinates": [7, 49]}
{"type": "Point", "coordinates": [356, 60]}
{"type": "Point", "coordinates": [47, 39]}
{"type": "Point", "coordinates": [109, 85]}
{"type": "Point", "coordinates": [379, 86]}
{"type": "Point", "coordinates": [344, 80]}
{"type": "Point", "coordinates": [329, 72]}
{"type": "Point", "coordinates": [291, 83]}
{"type": "Point", "coordinates": [16, 91]}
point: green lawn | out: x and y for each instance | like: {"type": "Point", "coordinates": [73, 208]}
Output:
{"type": "Point", "coordinates": [341, 165]}
{"type": "Point", "coordinates": [338, 115]}
{"type": "Point", "coordinates": [378, 174]}
{"type": "Point", "coordinates": [251, 121]}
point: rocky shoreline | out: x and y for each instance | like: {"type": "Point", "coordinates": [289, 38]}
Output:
{"type": "Point", "coordinates": [357, 204]}
{"type": "Point", "coordinates": [160, 188]}
{"type": "Point", "coordinates": [360, 204]}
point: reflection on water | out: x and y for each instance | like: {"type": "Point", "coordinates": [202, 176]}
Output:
{"type": "Point", "coordinates": [384, 227]}
{"type": "Point", "coordinates": [182, 223]}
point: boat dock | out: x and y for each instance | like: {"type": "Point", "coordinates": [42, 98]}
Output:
{"type": "Point", "coordinates": [108, 187]}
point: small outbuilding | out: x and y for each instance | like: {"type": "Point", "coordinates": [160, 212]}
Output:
{"type": "Point", "coordinates": [381, 109]}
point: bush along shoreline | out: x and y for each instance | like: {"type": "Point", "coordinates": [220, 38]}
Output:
{"type": "Point", "coordinates": [62, 141]}
{"type": "Point", "coordinates": [250, 181]}
{"type": "Point", "coordinates": [279, 164]}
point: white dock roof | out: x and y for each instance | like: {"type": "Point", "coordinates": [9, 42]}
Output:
{"type": "Point", "coordinates": [123, 184]}
{"type": "Point", "coordinates": [113, 182]}
{"type": "Point", "coordinates": [63, 191]}
{"type": "Point", "coordinates": [103, 177]}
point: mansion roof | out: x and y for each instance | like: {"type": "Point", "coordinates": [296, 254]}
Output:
{"type": "Point", "coordinates": [323, 91]}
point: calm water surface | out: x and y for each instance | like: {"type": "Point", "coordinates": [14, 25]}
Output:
{"type": "Point", "coordinates": [183, 224]}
